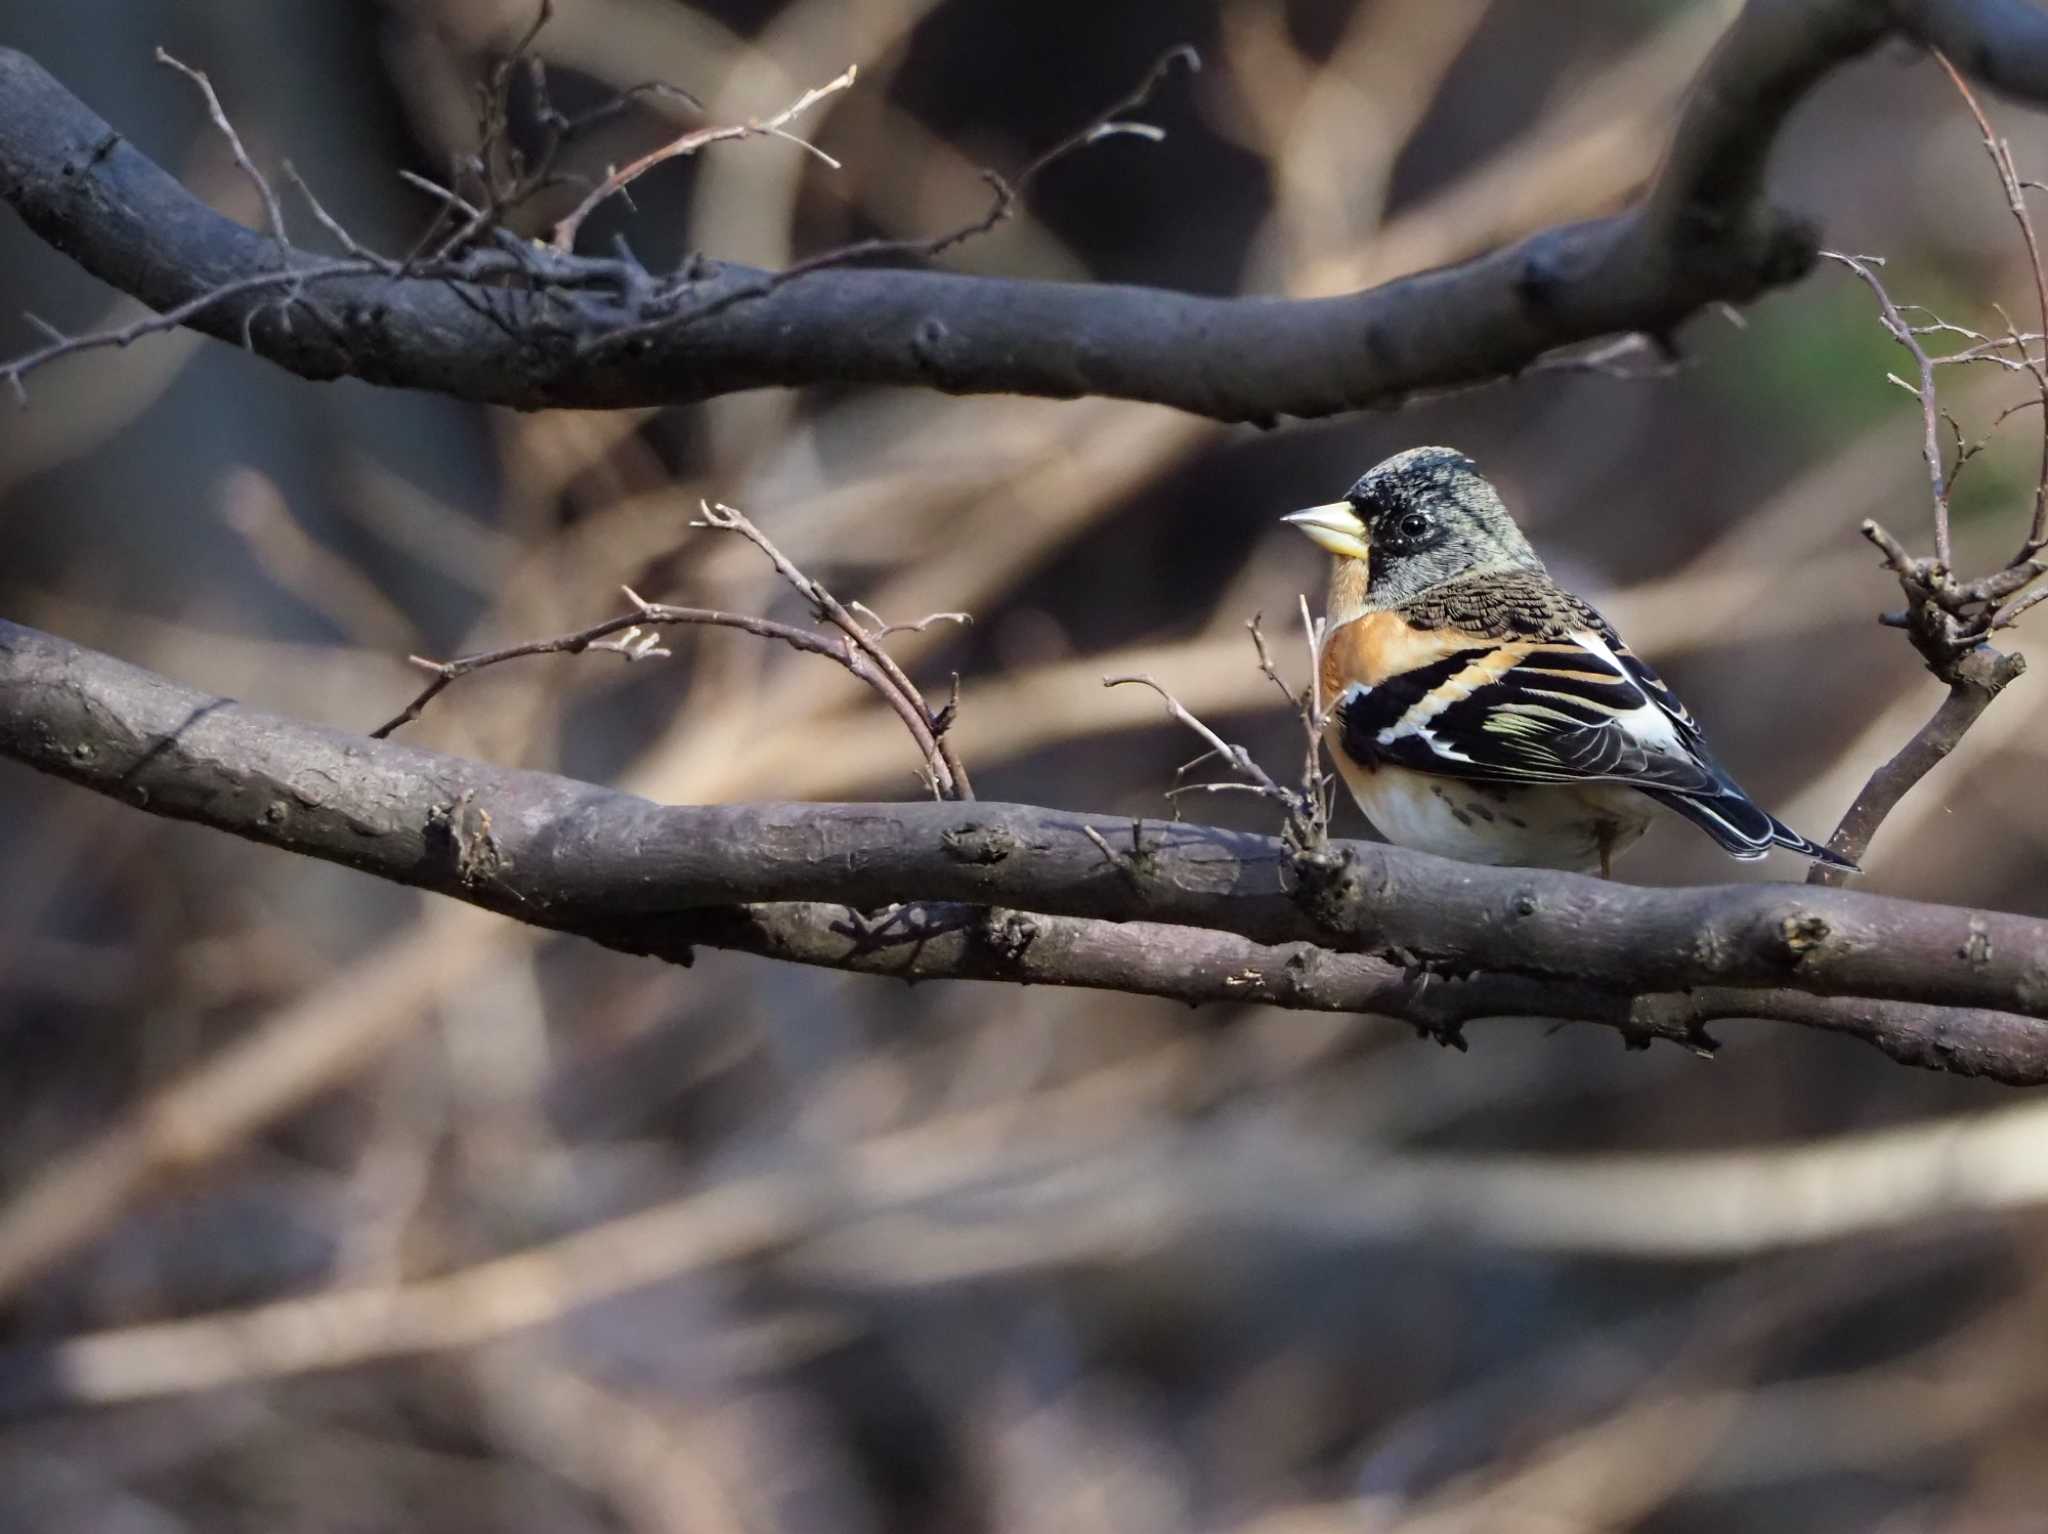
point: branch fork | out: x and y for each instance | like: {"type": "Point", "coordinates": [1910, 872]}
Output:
{"type": "Point", "coordinates": [1949, 620]}
{"type": "Point", "coordinates": [1307, 804]}
{"type": "Point", "coordinates": [858, 648]}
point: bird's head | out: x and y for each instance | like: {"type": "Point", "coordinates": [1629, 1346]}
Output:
{"type": "Point", "coordinates": [1418, 519]}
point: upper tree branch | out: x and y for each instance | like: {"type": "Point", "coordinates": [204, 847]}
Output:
{"type": "Point", "coordinates": [1703, 234]}
{"type": "Point", "coordinates": [654, 878]}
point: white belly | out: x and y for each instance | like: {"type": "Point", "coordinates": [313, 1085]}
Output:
{"type": "Point", "coordinates": [1566, 826]}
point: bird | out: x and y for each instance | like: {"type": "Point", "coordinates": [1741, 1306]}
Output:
{"type": "Point", "coordinates": [1478, 710]}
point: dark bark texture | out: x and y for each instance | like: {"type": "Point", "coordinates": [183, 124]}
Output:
{"type": "Point", "coordinates": [1703, 234]}
{"type": "Point", "coordinates": [973, 889]}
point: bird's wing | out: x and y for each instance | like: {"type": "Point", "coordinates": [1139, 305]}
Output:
{"type": "Point", "coordinates": [1576, 707]}
{"type": "Point", "coordinates": [1655, 689]}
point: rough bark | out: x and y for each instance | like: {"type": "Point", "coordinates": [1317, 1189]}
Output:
{"type": "Point", "coordinates": [1703, 234]}
{"type": "Point", "coordinates": [986, 883]}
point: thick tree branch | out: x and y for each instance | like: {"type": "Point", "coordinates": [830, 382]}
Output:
{"type": "Point", "coordinates": [1703, 235]}
{"type": "Point", "coordinates": [654, 879]}
{"type": "Point", "coordinates": [1985, 675]}
{"type": "Point", "coordinates": [2004, 43]}
{"type": "Point", "coordinates": [939, 941]}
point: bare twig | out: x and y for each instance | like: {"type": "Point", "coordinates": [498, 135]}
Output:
{"type": "Point", "coordinates": [1946, 620]}
{"type": "Point", "coordinates": [280, 286]}
{"type": "Point", "coordinates": [1630, 357]}
{"type": "Point", "coordinates": [333, 225]}
{"type": "Point", "coordinates": [566, 128]}
{"type": "Point", "coordinates": [1930, 745]}
{"type": "Point", "coordinates": [1925, 391]}
{"type": "Point", "coordinates": [1259, 780]}
{"type": "Point", "coordinates": [476, 250]}
{"type": "Point", "coordinates": [1316, 785]}
{"type": "Point", "coordinates": [1108, 123]}
{"type": "Point", "coordinates": [1306, 806]}
{"type": "Point", "coordinates": [1005, 194]}
{"type": "Point", "coordinates": [640, 639]}
{"type": "Point", "coordinates": [858, 649]}
{"type": "Point", "coordinates": [503, 176]}
{"type": "Point", "coordinates": [883, 629]}
{"type": "Point", "coordinates": [1949, 620]}
{"type": "Point", "coordinates": [62, 345]}
{"type": "Point", "coordinates": [2010, 614]}
{"type": "Point", "coordinates": [635, 646]}
{"type": "Point", "coordinates": [564, 237]}
{"type": "Point", "coordinates": [2000, 151]}
{"type": "Point", "coordinates": [927, 727]}
{"type": "Point", "coordinates": [271, 210]}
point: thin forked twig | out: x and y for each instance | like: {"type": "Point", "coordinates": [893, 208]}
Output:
{"type": "Point", "coordinates": [461, 258]}
{"type": "Point", "coordinates": [290, 279]}
{"type": "Point", "coordinates": [1949, 617]}
{"type": "Point", "coordinates": [1930, 404]}
{"type": "Point", "coordinates": [334, 227]}
{"type": "Point", "coordinates": [62, 345]}
{"type": "Point", "coordinates": [1950, 620]}
{"type": "Point", "coordinates": [2000, 151]}
{"type": "Point", "coordinates": [857, 648]}
{"type": "Point", "coordinates": [928, 728]}
{"type": "Point", "coordinates": [882, 629]}
{"type": "Point", "coordinates": [1111, 122]}
{"type": "Point", "coordinates": [1946, 619]}
{"type": "Point", "coordinates": [1316, 784]}
{"type": "Point", "coordinates": [1261, 781]}
{"type": "Point", "coordinates": [1005, 194]}
{"type": "Point", "coordinates": [468, 246]}
{"type": "Point", "coordinates": [271, 208]}
{"type": "Point", "coordinates": [1307, 806]}
{"type": "Point", "coordinates": [564, 237]}
{"type": "Point", "coordinates": [641, 641]}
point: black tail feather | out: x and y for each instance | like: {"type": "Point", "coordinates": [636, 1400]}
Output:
{"type": "Point", "coordinates": [1743, 829]}
{"type": "Point", "coordinates": [1785, 836]}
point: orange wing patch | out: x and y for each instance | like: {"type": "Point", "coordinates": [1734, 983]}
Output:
{"type": "Point", "coordinates": [1384, 644]}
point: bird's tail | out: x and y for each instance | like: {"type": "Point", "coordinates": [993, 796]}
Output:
{"type": "Point", "coordinates": [1743, 828]}
{"type": "Point", "coordinates": [1784, 836]}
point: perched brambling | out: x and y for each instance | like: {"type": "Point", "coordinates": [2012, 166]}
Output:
{"type": "Point", "coordinates": [1478, 709]}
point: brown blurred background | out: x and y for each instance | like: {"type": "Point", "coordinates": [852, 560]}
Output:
{"type": "Point", "coordinates": [971, 1258]}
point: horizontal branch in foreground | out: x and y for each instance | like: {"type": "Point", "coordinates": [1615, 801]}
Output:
{"type": "Point", "coordinates": [1357, 927]}
{"type": "Point", "coordinates": [1703, 234]}
{"type": "Point", "coordinates": [935, 941]}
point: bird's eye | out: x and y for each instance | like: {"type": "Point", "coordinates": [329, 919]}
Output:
{"type": "Point", "coordinates": [1414, 525]}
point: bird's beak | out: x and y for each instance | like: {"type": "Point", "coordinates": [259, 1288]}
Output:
{"type": "Point", "coordinates": [1335, 527]}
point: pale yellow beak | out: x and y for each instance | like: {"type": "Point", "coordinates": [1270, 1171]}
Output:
{"type": "Point", "coordinates": [1335, 527]}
